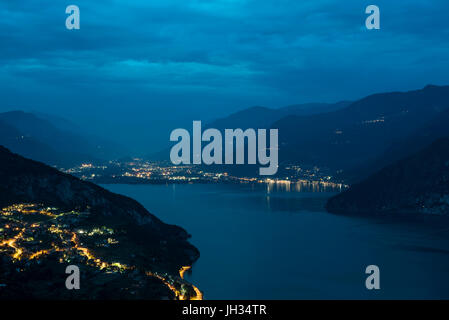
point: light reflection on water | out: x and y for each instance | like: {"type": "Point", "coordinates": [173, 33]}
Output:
{"type": "Point", "coordinates": [303, 186]}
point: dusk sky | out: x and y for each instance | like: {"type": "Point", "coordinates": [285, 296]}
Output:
{"type": "Point", "coordinates": [138, 69]}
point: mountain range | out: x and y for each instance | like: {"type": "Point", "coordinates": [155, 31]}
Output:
{"type": "Point", "coordinates": [417, 184]}
{"type": "Point", "coordinates": [362, 131]}
{"type": "Point", "coordinates": [350, 139]}
{"type": "Point", "coordinates": [54, 141]}
{"type": "Point", "coordinates": [263, 117]}
{"type": "Point", "coordinates": [257, 117]}
{"type": "Point", "coordinates": [419, 139]}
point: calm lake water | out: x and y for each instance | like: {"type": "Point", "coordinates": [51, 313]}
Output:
{"type": "Point", "coordinates": [269, 243]}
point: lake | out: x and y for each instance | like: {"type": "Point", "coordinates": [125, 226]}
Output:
{"type": "Point", "coordinates": [265, 242]}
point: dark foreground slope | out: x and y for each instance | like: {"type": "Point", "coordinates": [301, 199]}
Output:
{"type": "Point", "coordinates": [417, 184]}
{"type": "Point", "coordinates": [114, 240]}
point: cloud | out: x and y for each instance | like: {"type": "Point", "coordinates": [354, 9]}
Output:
{"type": "Point", "coordinates": [216, 56]}
{"type": "Point", "coordinates": [263, 36]}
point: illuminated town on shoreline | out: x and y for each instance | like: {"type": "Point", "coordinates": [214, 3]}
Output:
{"type": "Point", "coordinates": [140, 171]}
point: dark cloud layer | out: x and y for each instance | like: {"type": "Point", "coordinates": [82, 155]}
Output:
{"type": "Point", "coordinates": [149, 66]}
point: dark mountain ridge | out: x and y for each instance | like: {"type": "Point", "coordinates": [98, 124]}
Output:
{"type": "Point", "coordinates": [256, 117]}
{"type": "Point", "coordinates": [262, 117]}
{"type": "Point", "coordinates": [42, 140]}
{"type": "Point", "coordinates": [28, 146]}
{"type": "Point", "coordinates": [25, 180]}
{"type": "Point", "coordinates": [414, 185]}
{"type": "Point", "coordinates": [348, 137]}
{"type": "Point", "coordinates": [28, 181]}
{"type": "Point", "coordinates": [438, 127]}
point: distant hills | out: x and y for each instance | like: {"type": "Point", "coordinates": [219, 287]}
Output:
{"type": "Point", "coordinates": [417, 184]}
{"type": "Point", "coordinates": [362, 131]}
{"type": "Point", "coordinates": [41, 139]}
{"type": "Point", "coordinates": [420, 138]}
{"type": "Point", "coordinates": [257, 118]}
{"type": "Point", "coordinates": [262, 117]}
{"type": "Point", "coordinates": [353, 138]}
